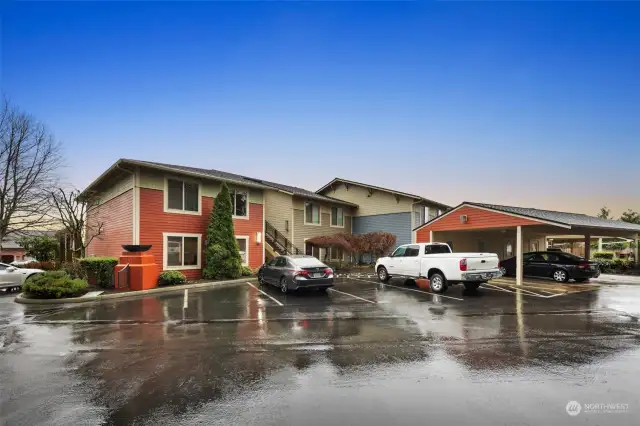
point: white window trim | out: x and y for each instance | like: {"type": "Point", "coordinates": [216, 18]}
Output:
{"type": "Point", "coordinates": [165, 254]}
{"type": "Point", "coordinates": [331, 218]}
{"type": "Point", "coordinates": [319, 214]}
{"type": "Point", "coordinates": [244, 237]}
{"type": "Point", "coordinates": [232, 191]}
{"type": "Point", "coordinates": [178, 211]}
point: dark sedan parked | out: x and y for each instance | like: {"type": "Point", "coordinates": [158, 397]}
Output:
{"type": "Point", "coordinates": [296, 271]}
{"type": "Point", "coordinates": [552, 264]}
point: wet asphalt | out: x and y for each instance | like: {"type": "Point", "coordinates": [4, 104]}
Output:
{"type": "Point", "coordinates": [364, 354]}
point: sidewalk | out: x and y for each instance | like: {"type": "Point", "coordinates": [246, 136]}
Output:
{"type": "Point", "coordinates": [616, 279]}
{"type": "Point", "coordinates": [128, 294]}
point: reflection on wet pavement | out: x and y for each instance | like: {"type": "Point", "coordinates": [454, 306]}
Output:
{"type": "Point", "coordinates": [235, 356]}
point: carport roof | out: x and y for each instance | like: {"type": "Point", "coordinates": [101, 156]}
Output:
{"type": "Point", "coordinates": [565, 219]}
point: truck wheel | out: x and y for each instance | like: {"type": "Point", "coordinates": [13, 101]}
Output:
{"type": "Point", "coordinates": [383, 275]}
{"type": "Point", "coordinates": [471, 286]}
{"type": "Point", "coordinates": [437, 283]}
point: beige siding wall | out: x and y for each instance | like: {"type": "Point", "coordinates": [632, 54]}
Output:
{"type": "Point", "coordinates": [120, 185]}
{"type": "Point", "coordinates": [493, 241]}
{"type": "Point", "coordinates": [378, 202]}
{"type": "Point", "coordinates": [153, 179]}
{"type": "Point", "coordinates": [278, 210]}
{"type": "Point", "coordinates": [303, 232]}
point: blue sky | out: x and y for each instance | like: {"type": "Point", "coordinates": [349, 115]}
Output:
{"type": "Point", "coordinates": [525, 103]}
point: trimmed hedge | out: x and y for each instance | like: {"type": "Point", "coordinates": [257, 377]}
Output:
{"type": "Point", "coordinates": [171, 278]}
{"type": "Point", "coordinates": [603, 255]}
{"type": "Point", "coordinates": [99, 270]}
{"type": "Point", "coordinates": [45, 266]}
{"type": "Point", "coordinates": [53, 285]}
{"type": "Point", "coordinates": [614, 265]}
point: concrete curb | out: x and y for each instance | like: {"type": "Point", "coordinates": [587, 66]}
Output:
{"type": "Point", "coordinates": [130, 294]}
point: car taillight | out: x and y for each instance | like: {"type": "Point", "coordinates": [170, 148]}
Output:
{"type": "Point", "coordinates": [328, 271]}
{"type": "Point", "coordinates": [302, 273]}
{"type": "Point", "coordinates": [583, 265]}
{"type": "Point", "coordinates": [463, 264]}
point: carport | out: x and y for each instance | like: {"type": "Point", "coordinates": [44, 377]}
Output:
{"type": "Point", "coordinates": [511, 231]}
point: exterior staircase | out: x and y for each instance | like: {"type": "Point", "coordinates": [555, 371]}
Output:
{"type": "Point", "coordinates": [277, 244]}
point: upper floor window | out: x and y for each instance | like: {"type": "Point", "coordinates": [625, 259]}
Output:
{"type": "Point", "coordinates": [337, 217]}
{"type": "Point", "coordinates": [240, 201]}
{"type": "Point", "coordinates": [312, 214]}
{"type": "Point", "coordinates": [182, 195]}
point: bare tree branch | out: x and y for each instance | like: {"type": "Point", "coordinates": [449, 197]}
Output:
{"type": "Point", "coordinates": [29, 160]}
{"type": "Point", "coordinates": [72, 214]}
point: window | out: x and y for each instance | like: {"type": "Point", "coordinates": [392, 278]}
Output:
{"type": "Point", "coordinates": [336, 253]}
{"type": "Point", "coordinates": [337, 217]}
{"type": "Point", "coordinates": [412, 251]}
{"type": "Point", "coordinates": [536, 257]}
{"type": "Point", "coordinates": [281, 262]}
{"type": "Point", "coordinates": [450, 243]}
{"type": "Point", "coordinates": [182, 251]}
{"type": "Point", "coordinates": [436, 249]}
{"type": "Point", "coordinates": [399, 252]}
{"type": "Point", "coordinates": [239, 199]}
{"type": "Point", "coordinates": [307, 262]}
{"type": "Point", "coordinates": [311, 214]}
{"type": "Point", "coordinates": [243, 246]}
{"type": "Point", "coordinates": [182, 196]}
{"type": "Point", "coordinates": [551, 257]}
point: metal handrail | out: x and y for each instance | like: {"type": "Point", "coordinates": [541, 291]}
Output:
{"type": "Point", "coordinates": [124, 272]}
{"type": "Point", "coordinates": [280, 240]}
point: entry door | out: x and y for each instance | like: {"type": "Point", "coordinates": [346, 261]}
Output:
{"type": "Point", "coordinates": [509, 249]}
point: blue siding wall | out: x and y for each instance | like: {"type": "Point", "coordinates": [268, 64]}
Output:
{"type": "Point", "coordinates": [399, 224]}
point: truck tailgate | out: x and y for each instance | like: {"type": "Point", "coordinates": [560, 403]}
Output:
{"type": "Point", "coordinates": [481, 261]}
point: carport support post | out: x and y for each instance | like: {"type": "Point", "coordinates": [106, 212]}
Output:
{"type": "Point", "coordinates": [519, 255]}
{"type": "Point", "coordinates": [635, 250]}
{"type": "Point", "coordinates": [587, 247]}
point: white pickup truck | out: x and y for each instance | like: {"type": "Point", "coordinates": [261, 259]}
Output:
{"type": "Point", "coordinates": [436, 262]}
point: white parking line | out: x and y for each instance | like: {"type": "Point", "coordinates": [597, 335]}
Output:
{"type": "Point", "coordinates": [494, 288]}
{"type": "Point", "coordinates": [352, 295]}
{"type": "Point", "coordinates": [411, 289]}
{"type": "Point", "coordinates": [268, 295]}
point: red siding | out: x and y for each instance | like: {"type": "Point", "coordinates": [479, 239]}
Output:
{"type": "Point", "coordinates": [117, 217]}
{"type": "Point", "coordinates": [154, 221]}
{"type": "Point", "coordinates": [476, 219]}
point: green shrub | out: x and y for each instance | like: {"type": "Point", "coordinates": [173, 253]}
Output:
{"type": "Point", "coordinates": [614, 265]}
{"type": "Point", "coordinates": [53, 285]}
{"type": "Point", "coordinates": [603, 255]}
{"type": "Point", "coordinates": [246, 271]}
{"type": "Point", "coordinates": [74, 270]}
{"type": "Point", "coordinates": [99, 270]}
{"type": "Point", "coordinates": [171, 278]}
{"type": "Point", "coordinates": [222, 254]}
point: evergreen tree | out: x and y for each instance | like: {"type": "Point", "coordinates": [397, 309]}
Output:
{"type": "Point", "coordinates": [222, 254]}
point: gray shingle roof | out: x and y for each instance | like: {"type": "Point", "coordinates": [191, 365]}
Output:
{"type": "Point", "coordinates": [571, 219]}
{"type": "Point", "coordinates": [244, 180]}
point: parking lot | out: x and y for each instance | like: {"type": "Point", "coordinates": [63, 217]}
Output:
{"type": "Point", "coordinates": [364, 353]}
